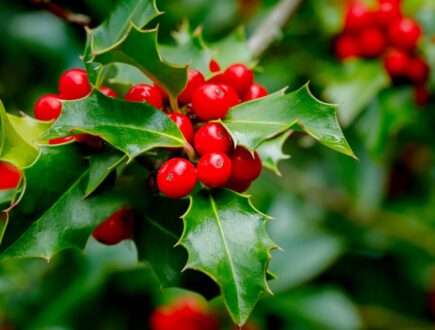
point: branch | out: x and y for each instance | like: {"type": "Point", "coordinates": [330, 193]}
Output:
{"type": "Point", "coordinates": [62, 13]}
{"type": "Point", "coordinates": [270, 29]}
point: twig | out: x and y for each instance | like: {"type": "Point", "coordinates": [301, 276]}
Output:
{"type": "Point", "coordinates": [270, 29]}
{"type": "Point", "coordinates": [68, 16]}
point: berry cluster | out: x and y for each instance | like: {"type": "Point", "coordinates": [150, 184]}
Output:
{"type": "Point", "coordinates": [72, 85]}
{"type": "Point", "coordinates": [385, 31]}
{"type": "Point", "coordinates": [220, 163]}
{"type": "Point", "coordinates": [185, 313]}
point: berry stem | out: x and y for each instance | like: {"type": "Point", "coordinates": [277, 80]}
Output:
{"type": "Point", "coordinates": [67, 16]}
{"type": "Point", "coordinates": [271, 27]}
{"type": "Point", "coordinates": [174, 104]}
{"type": "Point", "coordinates": [190, 151]}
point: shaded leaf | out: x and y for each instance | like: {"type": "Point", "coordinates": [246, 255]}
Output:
{"type": "Point", "coordinates": [54, 216]}
{"type": "Point", "coordinates": [226, 238]}
{"type": "Point", "coordinates": [132, 127]}
{"type": "Point", "coordinates": [254, 122]}
{"type": "Point", "coordinates": [271, 153]}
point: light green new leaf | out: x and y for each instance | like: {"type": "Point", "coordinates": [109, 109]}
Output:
{"type": "Point", "coordinates": [252, 123]}
{"type": "Point", "coordinates": [139, 48]}
{"type": "Point", "coordinates": [19, 137]}
{"type": "Point", "coordinates": [117, 24]}
{"type": "Point", "coordinates": [53, 216]}
{"type": "Point", "coordinates": [132, 127]}
{"type": "Point", "coordinates": [226, 238]}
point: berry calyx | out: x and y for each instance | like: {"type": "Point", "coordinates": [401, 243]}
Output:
{"type": "Point", "coordinates": [245, 166]}
{"type": "Point", "coordinates": [176, 178]}
{"type": "Point", "coordinates": [184, 124]}
{"type": "Point", "coordinates": [372, 42]}
{"type": "Point", "coordinates": [108, 91]}
{"type": "Point", "coordinates": [60, 140]}
{"type": "Point", "coordinates": [116, 228]}
{"type": "Point", "coordinates": [145, 93]}
{"type": "Point", "coordinates": [418, 71]}
{"type": "Point", "coordinates": [404, 33]}
{"type": "Point", "coordinates": [212, 101]}
{"type": "Point", "coordinates": [346, 46]}
{"type": "Point", "coordinates": [212, 137]}
{"type": "Point", "coordinates": [48, 107]}
{"type": "Point", "coordinates": [194, 80]}
{"type": "Point", "coordinates": [74, 84]}
{"type": "Point", "coordinates": [10, 176]}
{"type": "Point", "coordinates": [214, 169]}
{"type": "Point", "coordinates": [239, 77]}
{"type": "Point", "coordinates": [396, 63]}
{"type": "Point", "coordinates": [255, 91]}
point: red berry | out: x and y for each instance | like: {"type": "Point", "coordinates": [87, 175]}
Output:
{"type": "Point", "coordinates": [176, 178]}
{"type": "Point", "coordinates": [10, 176]}
{"type": "Point", "coordinates": [421, 95]}
{"type": "Point", "coordinates": [372, 42]}
{"type": "Point", "coordinates": [245, 166]}
{"type": "Point", "coordinates": [74, 84]}
{"type": "Point", "coordinates": [108, 91]}
{"type": "Point", "coordinates": [347, 46]}
{"type": "Point", "coordinates": [165, 95]}
{"type": "Point", "coordinates": [396, 63]}
{"type": "Point", "coordinates": [255, 91]}
{"type": "Point", "coordinates": [357, 16]}
{"type": "Point", "coordinates": [418, 71]}
{"type": "Point", "coordinates": [60, 140]}
{"type": "Point", "coordinates": [117, 227]}
{"type": "Point", "coordinates": [194, 80]}
{"type": "Point", "coordinates": [212, 101]}
{"type": "Point", "coordinates": [239, 77]}
{"type": "Point", "coordinates": [184, 314]}
{"type": "Point", "coordinates": [212, 137]}
{"type": "Point", "coordinates": [404, 33]}
{"type": "Point", "coordinates": [214, 169]}
{"type": "Point", "coordinates": [184, 124]}
{"type": "Point", "coordinates": [214, 66]}
{"type": "Point", "coordinates": [145, 93]}
{"type": "Point", "coordinates": [238, 186]}
{"type": "Point", "coordinates": [48, 107]}
{"type": "Point", "coordinates": [387, 12]}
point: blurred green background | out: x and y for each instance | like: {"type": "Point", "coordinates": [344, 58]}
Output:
{"type": "Point", "coordinates": [358, 236]}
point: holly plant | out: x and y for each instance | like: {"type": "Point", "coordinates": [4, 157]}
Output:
{"type": "Point", "coordinates": [166, 165]}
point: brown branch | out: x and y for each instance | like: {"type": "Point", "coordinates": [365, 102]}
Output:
{"type": "Point", "coordinates": [66, 15]}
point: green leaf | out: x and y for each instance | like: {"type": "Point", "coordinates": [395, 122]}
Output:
{"type": "Point", "coordinates": [252, 123]}
{"type": "Point", "coordinates": [100, 166]}
{"type": "Point", "coordinates": [53, 216]}
{"type": "Point", "coordinates": [18, 138]}
{"type": "Point", "coordinates": [132, 127]}
{"type": "Point", "coordinates": [271, 153]}
{"type": "Point", "coordinates": [139, 48]}
{"type": "Point", "coordinates": [189, 50]}
{"type": "Point", "coordinates": [117, 24]}
{"type": "Point", "coordinates": [226, 239]}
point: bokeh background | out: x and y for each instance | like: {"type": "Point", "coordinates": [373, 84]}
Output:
{"type": "Point", "coordinates": [358, 236]}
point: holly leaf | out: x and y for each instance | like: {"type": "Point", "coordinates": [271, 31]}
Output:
{"type": "Point", "coordinates": [18, 138]}
{"type": "Point", "coordinates": [226, 238]}
{"type": "Point", "coordinates": [131, 49]}
{"type": "Point", "coordinates": [190, 49]}
{"type": "Point", "coordinates": [132, 127]}
{"type": "Point", "coordinates": [100, 166]}
{"type": "Point", "coordinates": [53, 216]}
{"type": "Point", "coordinates": [117, 24]}
{"type": "Point", "coordinates": [271, 153]}
{"type": "Point", "coordinates": [252, 123]}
